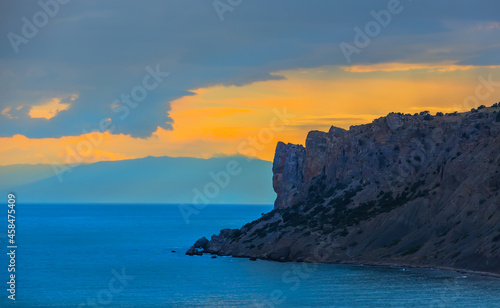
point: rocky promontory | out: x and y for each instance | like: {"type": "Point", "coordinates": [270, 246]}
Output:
{"type": "Point", "coordinates": [412, 190]}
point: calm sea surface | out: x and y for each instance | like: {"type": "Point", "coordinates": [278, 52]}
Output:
{"type": "Point", "coordinates": [121, 256]}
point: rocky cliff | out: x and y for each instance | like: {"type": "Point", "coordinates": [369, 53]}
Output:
{"type": "Point", "coordinates": [413, 190]}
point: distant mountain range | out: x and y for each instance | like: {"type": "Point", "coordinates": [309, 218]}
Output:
{"type": "Point", "coordinates": [225, 180]}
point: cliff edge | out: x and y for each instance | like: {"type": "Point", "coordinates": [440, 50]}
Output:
{"type": "Point", "coordinates": [412, 190]}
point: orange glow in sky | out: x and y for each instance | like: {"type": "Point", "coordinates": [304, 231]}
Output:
{"type": "Point", "coordinates": [48, 110]}
{"type": "Point", "coordinates": [219, 119]}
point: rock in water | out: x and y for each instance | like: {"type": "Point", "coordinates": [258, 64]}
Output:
{"type": "Point", "coordinates": [201, 243]}
{"type": "Point", "coordinates": [192, 251]}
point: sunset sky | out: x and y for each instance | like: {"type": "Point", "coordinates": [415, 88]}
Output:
{"type": "Point", "coordinates": [229, 71]}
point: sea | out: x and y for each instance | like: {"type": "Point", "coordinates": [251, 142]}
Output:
{"type": "Point", "coordinates": [133, 255]}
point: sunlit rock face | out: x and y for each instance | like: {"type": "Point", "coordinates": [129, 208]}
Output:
{"type": "Point", "coordinates": [387, 154]}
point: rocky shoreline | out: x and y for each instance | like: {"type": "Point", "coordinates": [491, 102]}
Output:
{"type": "Point", "coordinates": [406, 190]}
{"type": "Point", "coordinates": [195, 251]}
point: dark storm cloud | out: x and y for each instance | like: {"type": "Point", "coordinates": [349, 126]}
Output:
{"type": "Point", "coordinates": [100, 50]}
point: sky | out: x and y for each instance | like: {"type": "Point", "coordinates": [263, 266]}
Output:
{"type": "Point", "coordinates": [88, 81]}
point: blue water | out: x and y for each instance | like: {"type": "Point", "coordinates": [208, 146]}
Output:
{"type": "Point", "coordinates": [67, 255]}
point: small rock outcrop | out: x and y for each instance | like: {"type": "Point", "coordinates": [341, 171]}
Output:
{"type": "Point", "coordinates": [201, 243]}
{"type": "Point", "coordinates": [417, 190]}
{"type": "Point", "coordinates": [192, 251]}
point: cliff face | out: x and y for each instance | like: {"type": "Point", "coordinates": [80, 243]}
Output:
{"type": "Point", "coordinates": [406, 189]}
{"type": "Point", "coordinates": [389, 153]}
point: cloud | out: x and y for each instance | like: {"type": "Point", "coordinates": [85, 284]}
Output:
{"type": "Point", "coordinates": [392, 67]}
{"type": "Point", "coordinates": [220, 119]}
{"type": "Point", "coordinates": [99, 50]}
{"type": "Point", "coordinates": [50, 109]}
